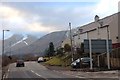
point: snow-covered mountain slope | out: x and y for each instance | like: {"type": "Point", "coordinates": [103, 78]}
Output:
{"type": "Point", "coordinates": [18, 41]}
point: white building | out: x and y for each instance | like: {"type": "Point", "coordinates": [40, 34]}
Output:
{"type": "Point", "coordinates": [109, 27]}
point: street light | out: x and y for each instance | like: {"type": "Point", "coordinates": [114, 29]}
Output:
{"type": "Point", "coordinates": [3, 42]}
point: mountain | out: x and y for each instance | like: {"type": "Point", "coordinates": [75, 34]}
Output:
{"type": "Point", "coordinates": [38, 47]}
{"type": "Point", "coordinates": [10, 41]}
{"type": "Point", "coordinates": [18, 41]}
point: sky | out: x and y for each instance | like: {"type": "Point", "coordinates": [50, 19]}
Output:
{"type": "Point", "coordinates": [42, 17]}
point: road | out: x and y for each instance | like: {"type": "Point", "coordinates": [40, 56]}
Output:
{"type": "Point", "coordinates": [34, 70]}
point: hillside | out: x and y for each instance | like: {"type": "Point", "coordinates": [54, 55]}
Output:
{"type": "Point", "coordinates": [38, 47]}
{"type": "Point", "coordinates": [16, 42]}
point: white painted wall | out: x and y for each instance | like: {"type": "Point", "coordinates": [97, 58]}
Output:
{"type": "Point", "coordinates": [79, 39]}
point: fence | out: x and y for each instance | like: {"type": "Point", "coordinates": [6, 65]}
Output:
{"type": "Point", "coordinates": [114, 59]}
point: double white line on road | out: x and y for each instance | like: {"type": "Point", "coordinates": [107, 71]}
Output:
{"type": "Point", "coordinates": [38, 74]}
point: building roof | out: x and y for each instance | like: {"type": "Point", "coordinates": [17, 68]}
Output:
{"type": "Point", "coordinates": [100, 19]}
{"type": "Point", "coordinates": [92, 25]}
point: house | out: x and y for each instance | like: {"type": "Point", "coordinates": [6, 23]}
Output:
{"type": "Point", "coordinates": [106, 28]}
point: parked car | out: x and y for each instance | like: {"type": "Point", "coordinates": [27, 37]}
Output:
{"type": "Point", "coordinates": [85, 61]}
{"type": "Point", "coordinates": [20, 63]}
{"type": "Point", "coordinates": [76, 64]}
{"type": "Point", "coordinates": [40, 59]}
{"type": "Point", "coordinates": [81, 62]}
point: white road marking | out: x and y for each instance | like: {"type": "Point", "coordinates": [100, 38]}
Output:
{"type": "Point", "coordinates": [4, 77]}
{"type": "Point", "coordinates": [35, 73]}
{"type": "Point", "coordinates": [38, 75]}
{"type": "Point", "coordinates": [8, 70]}
{"type": "Point", "coordinates": [32, 71]}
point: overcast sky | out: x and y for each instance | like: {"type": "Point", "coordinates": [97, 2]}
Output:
{"type": "Point", "coordinates": [40, 18]}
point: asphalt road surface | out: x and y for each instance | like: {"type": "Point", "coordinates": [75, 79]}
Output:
{"type": "Point", "coordinates": [34, 70]}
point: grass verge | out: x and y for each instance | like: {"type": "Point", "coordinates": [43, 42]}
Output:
{"type": "Point", "coordinates": [58, 60]}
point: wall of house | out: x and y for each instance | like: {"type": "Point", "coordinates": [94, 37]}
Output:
{"type": "Point", "coordinates": [89, 31]}
{"type": "Point", "coordinates": [78, 39]}
{"type": "Point", "coordinates": [66, 41]}
{"type": "Point", "coordinates": [112, 21]}
{"type": "Point", "coordinates": [119, 27]}
{"type": "Point", "coordinates": [113, 28]}
{"type": "Point", "coordinates": [83, 36]}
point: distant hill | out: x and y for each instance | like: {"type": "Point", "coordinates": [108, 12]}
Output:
{"type": "Point", "coordinates": [38, 47]}
{"type": "Point", "coordinates": [17, 41]}
{"type": "Point", "coordinates": [10, 41]}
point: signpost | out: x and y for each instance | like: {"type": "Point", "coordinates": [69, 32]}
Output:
{"type": "Point", "coordinates": [98, 46]}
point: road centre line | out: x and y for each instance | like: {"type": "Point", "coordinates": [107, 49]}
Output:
{"type": "Point", "coordinates": [38, 75]}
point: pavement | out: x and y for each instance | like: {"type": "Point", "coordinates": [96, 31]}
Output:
{"type": "Point", "coordinates": [101, 74]}
{"type": "Point", "coordinates": [34, 70]}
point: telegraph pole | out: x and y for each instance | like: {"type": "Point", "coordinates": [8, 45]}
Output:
{"type": "Point", "coordinates": [71, 40]}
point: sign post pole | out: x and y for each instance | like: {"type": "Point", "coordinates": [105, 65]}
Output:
{"type": "Point", "coordinates": [108, 54]}
{"type": "Point", "coordinates": [90, 48]}
{"type": "Point", "coordinates": [98, 61]}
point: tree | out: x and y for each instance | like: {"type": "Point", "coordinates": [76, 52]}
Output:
{"type": "Point", "coordinates": [46, 52]}
{"type": "Point", "coordinates": [67, 48]}
{"type": "Point", "coordinates": [59, 51]}
{"type": "Point", "coordinates": [51, 49]}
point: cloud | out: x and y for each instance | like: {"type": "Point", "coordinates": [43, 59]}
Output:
{"type": "Point", "coordinates": [38, 18]}
{"type": "Point", "coordinates": [19, 21]}
{"type": "Point", "coordinates": [106, 7]}
{"type": "Point", "coordinates": [37, 27]}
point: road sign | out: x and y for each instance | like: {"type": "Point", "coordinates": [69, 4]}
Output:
{"type": "Point", "coordinates": [97, 45]}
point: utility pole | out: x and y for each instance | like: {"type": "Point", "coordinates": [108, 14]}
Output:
{"type": "Point", "coordinates": [71, 41]}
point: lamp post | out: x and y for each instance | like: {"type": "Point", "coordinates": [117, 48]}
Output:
{"type": "Point", "coordinates": [3, 41]}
